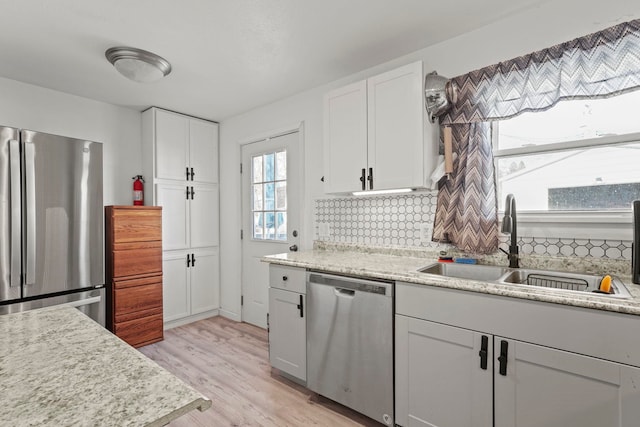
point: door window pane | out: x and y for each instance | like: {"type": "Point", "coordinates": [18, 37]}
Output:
{"type": "Point", "coordinates": [269, 196]}
{"type": "Point", "coordinates": [281, 165]}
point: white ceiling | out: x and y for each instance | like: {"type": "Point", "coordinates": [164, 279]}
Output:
{"type": "Point", "coordinates": [228, 56]}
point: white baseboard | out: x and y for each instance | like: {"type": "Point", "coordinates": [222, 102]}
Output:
{"type": "Point", "coordinates": [190, 319]}
{"type": "Point", "coordinates": [231, 315]}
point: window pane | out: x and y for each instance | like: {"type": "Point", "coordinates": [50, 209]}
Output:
{"type": "Point", "coordinates": [268, 167]}
{"type": "Point", "coordinates": [281, 225]}
{"type": "Point", "coordinates": [281, 196]}
{"type": "Point", "coordinates": [572, 120]}
{"type": "Point", "coordinates": [257, 169]}
{"type": "Point", "coordinates": [258, 232]}
{"type": "Point", "coordinates": [270, 226]}
{"type": "Point", "coordinates": [600, 178]}
{"type": "Point", "coordinates": [281, 165]}
{"type": "Point", "coordinates": [269, 196]}
{"type": "Point", "coordinates": [257, 197]}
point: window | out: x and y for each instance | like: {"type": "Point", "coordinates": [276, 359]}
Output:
{"type": "Point", "coordinates": [269, 195]}
{"type": "Point", "coordinates": [580, 155]}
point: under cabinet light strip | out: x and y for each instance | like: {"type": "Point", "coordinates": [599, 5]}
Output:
{"type": "Point", "coordinates": [376, 192]}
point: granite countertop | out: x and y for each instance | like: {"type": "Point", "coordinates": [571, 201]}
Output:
{"type": "Point", "coordinates": [60, 368]}
{"type": "Point", "coordinates": [404, 268]}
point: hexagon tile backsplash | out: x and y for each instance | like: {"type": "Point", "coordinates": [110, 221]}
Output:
{"type": "Point", "coordinates": [407, 222]}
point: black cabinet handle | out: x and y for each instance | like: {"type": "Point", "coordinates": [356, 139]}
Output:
{"type": "Point", "coordinates": [193, 260]}
{"type": "Point", "coordinates": [188, 261]}
{"type": "Point", "coordinates": [285, 278]}
{"type": "Point", "coordinates": [187, 173]}
{"type": "Point", "coordinates": [192, 193]}
{"type": "Point", "coordinates": [192, 174]}
{"type": "Point", "coordinates": [188, 193]}
{"type": "Point", "coordinates": [363, 179]}
{"type": "Point", "coordinates": [301, 307]}
{"type": "Point", "coordinates": [370, 178]}
{"type": "Point", "coordinates": [504, 351]}
{"type": "Point", "coordinates": [484, 352]}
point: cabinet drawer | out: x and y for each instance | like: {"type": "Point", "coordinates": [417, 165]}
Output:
{"type": "Point", "coordinates": [288, 278]}
{"type": "Point", "coordinates": [141, 224]}
{"type": "Point", "coordinates": [136, 262]}
{"type": "Point", "coordinates": [136, 299]}
{"type": "Point", "coordinates": [141, 331]}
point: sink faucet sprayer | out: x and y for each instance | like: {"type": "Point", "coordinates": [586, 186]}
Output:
{"type": "Point", "coordinates": [510, 226]}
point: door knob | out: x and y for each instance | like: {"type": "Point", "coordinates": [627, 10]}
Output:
{"type": "Point", "coordinates": [293, 248]}
{"type": "Point", "coordinates": [295, 233]}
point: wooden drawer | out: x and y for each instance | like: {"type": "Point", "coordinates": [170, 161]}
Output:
{"type": "Point", "coordinates": [135, 262]}
{"type": "Point", "coordinates": [135, 224]}
{"type": "Point", "coordinates": [287, 278]}
{"type": "Point", "coordinates": [141, 331]}
{"type": "Point", "coordinates": [131, 300]}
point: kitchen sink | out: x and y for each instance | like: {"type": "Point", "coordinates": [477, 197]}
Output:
{"type": "Point", "coordinates": [564, 281]}
{"type": "Point", "coordinates": [561, 281]}
{"type": "Point", "coordinates": [486, 273]}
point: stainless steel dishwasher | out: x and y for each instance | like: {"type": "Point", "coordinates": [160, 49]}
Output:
{"type": "Point", "coordinates": [350, 343]}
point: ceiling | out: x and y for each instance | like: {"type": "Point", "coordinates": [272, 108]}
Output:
{"type": "Point", "coordinates": [228, 56]}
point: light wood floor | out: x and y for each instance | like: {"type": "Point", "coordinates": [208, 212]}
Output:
{"type": "Point", "coordinates": [228, 362]}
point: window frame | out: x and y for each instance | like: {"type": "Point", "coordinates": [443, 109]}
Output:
{"type": "Point", "coordinates": [590, 224]}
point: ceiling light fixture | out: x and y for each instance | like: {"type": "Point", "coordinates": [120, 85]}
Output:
{"type": "Point", "coordinates": [137, 64]}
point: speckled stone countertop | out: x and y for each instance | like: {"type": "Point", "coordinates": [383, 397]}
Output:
{"type": "Point", "coordinates": [60, 368]}
{"type": "Point", "coordinates": [404, 268]}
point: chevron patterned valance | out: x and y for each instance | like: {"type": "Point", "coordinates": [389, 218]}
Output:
{"type": "Point", "coordinates": [601, 64]}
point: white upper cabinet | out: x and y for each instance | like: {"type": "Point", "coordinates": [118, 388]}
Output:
{"type": "Point", "coordinates": [186, 148]}
{"type": "Point", "coordinates": [203, 146]}
{"type": "Point", "coordinates": [374, 133]}
{"type": "Point", "coordinates": [345, 138]}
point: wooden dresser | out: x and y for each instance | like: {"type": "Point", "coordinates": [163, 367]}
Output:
{"type": "Point", "coordinates": [133, 239]}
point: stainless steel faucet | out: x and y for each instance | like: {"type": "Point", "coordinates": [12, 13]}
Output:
{"type": "Point", "coordinates": [510, 226]}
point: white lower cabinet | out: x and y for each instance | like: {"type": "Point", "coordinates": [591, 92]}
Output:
{"type": "Point", "coordinates": [442, 381]}
{"type": "Point", "coordinates": [545, 387]}
{"type": "Point", "coordinates": [287, 321]}
{"type": "Point", "coordinates": [439, 378]}
{"type": "Point", "coordinates": [191, 283]}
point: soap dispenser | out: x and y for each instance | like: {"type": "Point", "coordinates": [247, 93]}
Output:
{"type": "Point", "coordinates": [635, 246]}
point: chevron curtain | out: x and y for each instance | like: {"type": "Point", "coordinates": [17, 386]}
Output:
{"type": "Point", "coordinates": [599, 65]}
{"type": "Point", "coordinates": [466, 212]}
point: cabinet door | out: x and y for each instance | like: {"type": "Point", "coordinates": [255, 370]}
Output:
{"type": "Point", "coordinates": [345, 138]}
{"type": "Point", "coordinates": [439, 378]}
{"type": "Point", "coordinates": [203, 151]}
{"type": "Point", "coordinates": [545, 387]}
{"type": "Point", "coordinates": [172, 139]}
{"type": "Point", "coordinates": [205, 281]}
{"type": "Point", "coordinates": [203, 213]}
{"type": "Point", "coordinates": [175, 286]}
{"type": "Point", "coordinates": [287, 332]}
{"type": "Point", "coordinates": [395, 128]}
{"type": "Point", "coordinates": [173, 199]}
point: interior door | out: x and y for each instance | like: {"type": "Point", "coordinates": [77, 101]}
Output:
{"type": "Point", "coordinates": [270, 212]}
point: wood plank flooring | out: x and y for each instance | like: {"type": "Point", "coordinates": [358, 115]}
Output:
{"type": "Point", "coordinates": [228, 362]}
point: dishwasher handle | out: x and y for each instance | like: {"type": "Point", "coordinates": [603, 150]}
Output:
{"type": "Point", "coordinates": [345, 292]}
{"type": "Point", "coordinates": [350, 284]}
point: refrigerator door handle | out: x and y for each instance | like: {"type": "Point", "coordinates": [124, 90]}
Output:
{"type": "Point", "coordinates": [16, 213]}
{"type": "Point", "coordinates": [30, 184]}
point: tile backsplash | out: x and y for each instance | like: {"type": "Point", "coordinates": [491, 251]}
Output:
{"type": "Point", "coordinates": [407, 222]}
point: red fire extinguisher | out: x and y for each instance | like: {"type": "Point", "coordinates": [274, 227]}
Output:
{"type": "Point", "coordinates": [138, 190]}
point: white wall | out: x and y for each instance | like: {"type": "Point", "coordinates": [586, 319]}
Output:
{"type": "Point", "coordinates": [119, 129]}
{"type": "Point", "coordinates": [536, 28]}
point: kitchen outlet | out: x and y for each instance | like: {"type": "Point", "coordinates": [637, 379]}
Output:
{"type": "Point", "coordinates": [426, 230]}
{"type": "Point", "coordinates": [324, 230]}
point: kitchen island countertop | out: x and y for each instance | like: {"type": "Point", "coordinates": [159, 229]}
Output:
{"type": "Point", "coordinates": [405, 269]}
{"type": "Point", "coordinates": [60, 368]}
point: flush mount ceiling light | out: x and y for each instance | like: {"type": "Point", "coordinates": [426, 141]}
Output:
{"type": "Point", "coordinates": [137, 64]}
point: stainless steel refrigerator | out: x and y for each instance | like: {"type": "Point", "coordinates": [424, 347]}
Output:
{"type": "Point", "coordinates": [51, 222]}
